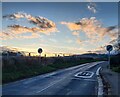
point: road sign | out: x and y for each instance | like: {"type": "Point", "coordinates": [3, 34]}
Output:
{"type": "Point", "coordinates": [109, 48]}
{"type": "Point", "coordinates": [40, 50]}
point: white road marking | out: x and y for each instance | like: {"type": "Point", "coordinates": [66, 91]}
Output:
{"type": "Point", "coordinates": [100, 84]}
{"type": "Point", "coordinates": [50, 85]}
{"type": "Point", "coordinates": [94, 64]}
{"type": "Point", "coordinates": [97, 72]}
{"type": "Point", "coordinates": [84, 76]}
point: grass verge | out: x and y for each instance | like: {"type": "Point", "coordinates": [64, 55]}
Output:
{"type": "Point", "coordinates": [16, 72]}
{"type": "Point", "coordinates": [116, 69]}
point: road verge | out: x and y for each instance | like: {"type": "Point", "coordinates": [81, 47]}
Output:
{"type": "Point", "coordinates": [106, 85]}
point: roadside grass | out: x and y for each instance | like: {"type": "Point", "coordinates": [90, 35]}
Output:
{"type": "Point", "coordinates": [18, 71]}
{"type": "Point", "coordinates": [116, 69]}
{"type": "Point", "coordinates": [17, 74]}
{"type": "Point", "coordinates": [115, 63]}
{"type": "Point", "coordinates": [60, 64]}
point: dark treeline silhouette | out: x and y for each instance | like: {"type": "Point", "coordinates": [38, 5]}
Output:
{"type": "Point", "coordinates": [115, 60]}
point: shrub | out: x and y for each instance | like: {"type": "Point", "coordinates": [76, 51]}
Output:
{"type": "Point", "coordinates": [115, 61]}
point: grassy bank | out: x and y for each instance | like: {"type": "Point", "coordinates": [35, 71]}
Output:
{"type": "Point", "coordinates": [115, 63]}
{"type": "Point", "coordinates": [116, 69]}
{"type": "Point", "coordinates": [20, 71]}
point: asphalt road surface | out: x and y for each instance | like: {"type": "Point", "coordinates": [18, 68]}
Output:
{"type": "Point", "coordinates": [61, 82]}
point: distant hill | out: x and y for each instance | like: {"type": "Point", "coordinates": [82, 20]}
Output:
{"type": "Point", "coordinates": [5, 51]}
{"type": "Point", "coordinates": [91, 55]}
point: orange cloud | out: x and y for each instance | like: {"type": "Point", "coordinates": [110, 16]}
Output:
{"type": "Point", "coordinates": [39, 21]}
{"type": "Point", "coordinates": [4, 35]}
{"type": "Point", "coordinates": [42, 25]}
{"type": "Point", "coordinates": [75, 33]}
{"type": "Point", "coordinates": [17, 29]}
{"type": "Point", "coordinates": [72, 26]}
{"type": "Point", "coordinates": [12, 35]}
{"type": "Point", "coordinates": [92, 28]}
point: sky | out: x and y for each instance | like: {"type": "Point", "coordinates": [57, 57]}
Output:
{"type": "Point", "coordinates": [60, 0]}
{"type": "Point", "coordinates": [64, 27]}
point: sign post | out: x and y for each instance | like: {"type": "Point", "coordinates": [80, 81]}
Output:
{"type": "Point", "coordinates": [40, 51]}
{"type": "Point", "coordinates": [109, 48]}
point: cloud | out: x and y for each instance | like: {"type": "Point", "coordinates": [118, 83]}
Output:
{"type": "Point", "coordinates": [79, 41]}
{"type": "Point", "coordinates": [92, 28]}
{"type": "Point", "coordinates": [110, 28]}
{"type": "Point", "coordinates": [116, 44]}
{"type": "Point", "coordinates": [42, 25]}
{"type": "Point", "coordinates": [12, 35]}
{"type": "Point", "coordinates": [14, 16]}
{"type": "Point", "coordinates": [83, 24]}
{"type": "Point", "coordinates": [18, 29]}
{"type": "Point", "coordinates": [39, 21]}
{"type": "Point", "coordinates": [7, 48]}
{"type": "Point", "coordinates": [53, 40]}
{"type": "Point", "coordinates": [75, 33]}
{"type": "Point", "coordinates": [92, 7]}
{"type": "Point", "coordinates": [71, 26]}
{"type": "Point", "coordinates": [4, 35]}
{"type": "Point", "coordinates": [99, 50]}
{"type": "Point", "coordinates": [32, 36]}
{"type": "Point", "coordinates": [69, 41]}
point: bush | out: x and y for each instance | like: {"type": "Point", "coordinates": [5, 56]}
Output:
{"type": "Point", "coordinates": [115, 61]}
{"type": "Point", "coordinates": [116, 69]}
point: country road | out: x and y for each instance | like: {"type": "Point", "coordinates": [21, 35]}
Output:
{"type": "Point", "coordinates": [62, 82]}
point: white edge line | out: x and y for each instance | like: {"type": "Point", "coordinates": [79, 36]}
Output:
{"type": "Point", "coordinates": [98, 70]}
{"type": "Point", "coordinates": [100, 84]}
